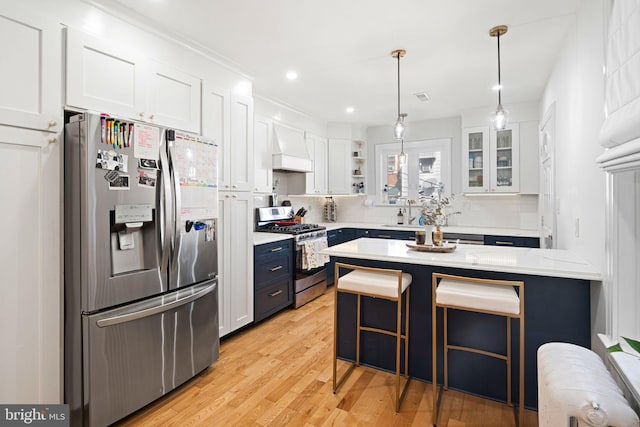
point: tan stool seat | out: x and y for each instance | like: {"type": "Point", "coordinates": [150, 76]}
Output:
{"type": "Point", "coordinates": [477, 296]}
{"type": "Point", "coordinates": [373, 283]}
{"type": "Point", "coordinates": [489, 296]}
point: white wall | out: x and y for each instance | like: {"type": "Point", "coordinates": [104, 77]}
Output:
{"type": "Point", "coordinates": [576, 86]}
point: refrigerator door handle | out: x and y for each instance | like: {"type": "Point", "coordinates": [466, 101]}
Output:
{"type": "Point", "coordinates": [177, 208]}
{"type": "Point", "coordinates": [124, 318]}
{"type": "Point", "coordinates": [165, 205]}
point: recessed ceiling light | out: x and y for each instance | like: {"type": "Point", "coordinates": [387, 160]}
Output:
{"type": "Point", "coordinates": [292, 75]}
{"type": "Point", "coordinates": [350, 109]}
{"type": "Point", "coordinates": [497, 87]}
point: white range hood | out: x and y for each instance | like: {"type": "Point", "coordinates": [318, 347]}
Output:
{"type": "Point", "coordinates": [290, 150]}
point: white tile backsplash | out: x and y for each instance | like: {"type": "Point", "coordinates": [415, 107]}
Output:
{"type": "Point", "coordinates": [513, 211]}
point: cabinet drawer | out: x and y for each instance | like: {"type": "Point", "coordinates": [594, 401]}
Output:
{"type": "Point", "coordinates": [280, 247]}
{"type": "Point", "coordinates": [273, 298]}
{"type": "Point", "coordinates": [271, 267]}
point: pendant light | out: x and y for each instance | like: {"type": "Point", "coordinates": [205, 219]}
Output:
{"type": "Point", "coordinates": [399, 126]}
{"type": "Point", "coordinates": [501, 116]}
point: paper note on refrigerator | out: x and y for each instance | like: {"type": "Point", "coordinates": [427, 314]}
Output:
{"type": "Point", "coordinates": [146, 141]}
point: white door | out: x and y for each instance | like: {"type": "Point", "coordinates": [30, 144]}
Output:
{"type": "Point", "coordinates": [31, 273]}
{"type": "Point", "coordinates": [30, 75]}
{"type": "Point", "coordinates": [174, 98]}
{"type": "Point", "coordinates": [105, 77]}
{"type": "Point", "coordinates": [241, 143]}
{"type": "Point", "coordinates": [216, 124]}
{"type": "Point", "coordinates": [262, 156]}
{"type": "Point", "coordinates": [316, 181]}
{"type": "Point", "coordinates": [339, 166]}
{"type": "Point", "coordinates": [235, 260]}
{"type": "Point", "coordinates": [547, 173]}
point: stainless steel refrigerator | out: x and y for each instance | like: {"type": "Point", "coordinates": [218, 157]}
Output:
{"type": "Point", "coordinates": [141, 296]}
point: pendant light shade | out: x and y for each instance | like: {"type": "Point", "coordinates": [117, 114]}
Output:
{"type": "Point", "coordinates": [399, 126]}
{"type": "Point", "coordinates": [501, 116]}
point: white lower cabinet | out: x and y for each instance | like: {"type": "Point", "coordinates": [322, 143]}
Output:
{"type": "Point", "coordinates": [235, 260]}
{"type": "Point", "coordinates": [31, 273]}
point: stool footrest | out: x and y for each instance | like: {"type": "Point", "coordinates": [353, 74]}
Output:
{"type": "Point", "coordinates": [381, 331]}
{"type": "Point", "coordinates": [478, 351]}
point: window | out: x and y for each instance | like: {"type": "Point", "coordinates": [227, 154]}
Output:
{"type": "Point", "coordinates": [428, 164]}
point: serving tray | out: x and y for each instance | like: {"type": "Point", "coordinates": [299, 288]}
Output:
{"type": "Point", "coordinates": [432, 248]}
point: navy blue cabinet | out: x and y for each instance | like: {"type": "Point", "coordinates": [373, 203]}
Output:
{"type": "Point", "coordinates": [273, 273]}
{"type": "Point", "coordinates": [525, 242]}
{"type": "Point", "coordinates": [393, 234]}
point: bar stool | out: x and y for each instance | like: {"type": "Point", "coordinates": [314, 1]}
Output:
{"type": "Point", "coordinates": [498, 297]}
{"type": "Point", "coordinates": [376, 283]}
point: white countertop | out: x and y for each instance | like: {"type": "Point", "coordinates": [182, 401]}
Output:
{"type": "Point", "coordinates": [540, 262]}
{"type": "Point", "coordinates": [487, 231]}
{"type": "Point", "coordinates": [260, 238]}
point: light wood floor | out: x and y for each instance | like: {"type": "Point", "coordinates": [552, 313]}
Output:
{"type": "Point", "coordinates": [279, 373]}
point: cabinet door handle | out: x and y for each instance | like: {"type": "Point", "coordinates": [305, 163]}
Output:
{"type": "Point", "coordinates": [52, 123]}
{"type": "Point", "coordinates": [276, 268]}
{"type": "Point", "coordinates": [279, 248]}
{"type": "Point", "coordinates": [151, 116]}
{"type": "Point", "coordinates": [141, 114]}
{"type": "Point", "coordinates": [276, 293]}
{"type": "Point", "coordinates": [384, 236]}
{"type": "Point", "coordinates": [52, 139]}
{"type": "Point", "coordinates": [500, 242]}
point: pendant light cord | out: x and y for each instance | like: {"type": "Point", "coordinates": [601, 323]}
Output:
{"type": "Point", "coordinates": [398, 84]}
{"type": "Point", "coordinates": [499, 80]}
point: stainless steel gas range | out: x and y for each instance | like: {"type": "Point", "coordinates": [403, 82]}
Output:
{"type": "Point", "coordinates": [310, 274]}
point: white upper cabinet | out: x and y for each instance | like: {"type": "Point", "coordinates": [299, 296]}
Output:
{"type": "Point", "coordinates": [491, 160]}
{"type": "Point", "coordinates": [339, 166]}
{"type": "Point", "coordinates": [316, 181]}
{"type": "Point", "coordinates": [173, 98]}
{"type": "Point", "coordinates": [239, 174]}
{"type": "Point", "coordinates": [30, 75]}
{"type": "Point", "coordinates": [115, 79]}
{"type": "Point", "coordinates": [262, 149]}
{"type": "Point", "coordinates": [216, 124]}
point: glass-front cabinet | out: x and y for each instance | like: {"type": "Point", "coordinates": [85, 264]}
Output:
{"type": "Point", "coordinates": [491, 160]}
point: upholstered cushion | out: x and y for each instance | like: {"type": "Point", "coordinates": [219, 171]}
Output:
{"type": "Point", "coordinates": [478, 296]}
{"type": "Point", "coordinates": [373, 283]}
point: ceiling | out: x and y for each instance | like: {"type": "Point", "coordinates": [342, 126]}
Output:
{"type": "Point", "coordinates": [341, 50]}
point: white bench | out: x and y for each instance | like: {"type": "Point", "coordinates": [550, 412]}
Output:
{"type": "Point", "coordinates": [575, 388]}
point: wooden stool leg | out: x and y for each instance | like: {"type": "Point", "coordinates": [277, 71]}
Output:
{"type": "Point", "coordinates": [398, 339]}
{"type": "Point", "coordinates": [509, 362]}
{"type": "Point", "coordinates": [445, 348]}
{"type": "Point", "coordinates": [521, 384]}
{"type": "Point", "coordinates": [434, 353]}
{"type": "Point", "coordinates": [335, 339]}
{"type": "Point", "coordinates": [358, 334]}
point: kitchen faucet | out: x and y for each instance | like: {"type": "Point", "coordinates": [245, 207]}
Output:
{"type": "Point", "coordinates": [410, 218]}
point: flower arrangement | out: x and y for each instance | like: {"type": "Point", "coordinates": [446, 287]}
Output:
{"type": "Point", "coordinates": [434, 208]}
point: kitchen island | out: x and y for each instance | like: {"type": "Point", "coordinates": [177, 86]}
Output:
{"type": "Point", "coordinates": [557, 308]}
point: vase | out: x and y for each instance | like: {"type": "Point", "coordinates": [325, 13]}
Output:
{"type": "Point", "coordinates": [437, 236]}
{"type": "Point", "coordinates": [429, 234]}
